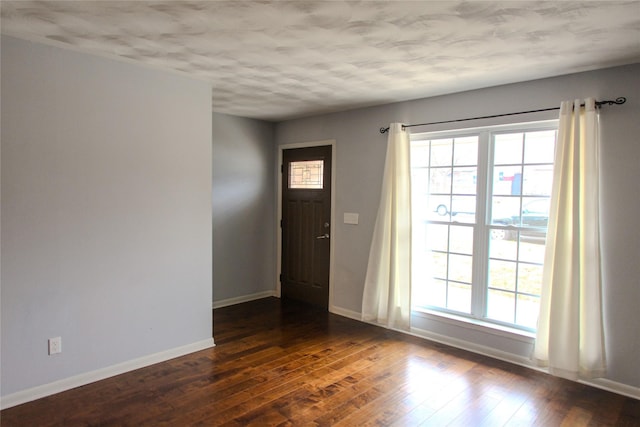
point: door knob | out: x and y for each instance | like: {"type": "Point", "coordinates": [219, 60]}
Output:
{"type": "Point", "coordinates": [324, 236]}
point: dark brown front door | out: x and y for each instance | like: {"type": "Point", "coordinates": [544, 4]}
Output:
{"type": "Point", "coordinates": [306, 227]}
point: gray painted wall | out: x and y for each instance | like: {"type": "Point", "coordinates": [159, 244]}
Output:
{"type": "Point", "coordinates": [106, 213]}
{"type": "Point", "coordinates": [360, 160]}
{"type": "Point", "coordinates": [244, 257]}
{"type": "Point", "coordinates": [106, 206]}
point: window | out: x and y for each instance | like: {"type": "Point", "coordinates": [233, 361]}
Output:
{"type": "Point", "coordinates": [306, 174]}
{"type": "Point", "coordinates": [480, 211]}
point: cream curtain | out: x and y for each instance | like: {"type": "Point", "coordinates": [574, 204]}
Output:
{"type": "Point", "coordinates": [570, 339]}
{"type": "Point", "coordinates": [387, 289]}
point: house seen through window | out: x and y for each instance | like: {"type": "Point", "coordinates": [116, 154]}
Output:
{"type": "Point", "coordinates": [480, 208]}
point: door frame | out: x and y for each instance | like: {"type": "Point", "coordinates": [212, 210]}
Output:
{"type": "Point", "coordinates": [281, 148]}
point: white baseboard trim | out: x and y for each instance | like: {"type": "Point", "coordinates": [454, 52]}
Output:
{"type": "Point", "coordinates": [44, 390]}
{"type": "Point", "coordinates": [345, 313]}
{"type": "Point", "coordinates": [614, 387]}
{"type": "Point", "coordinates": [601, 383]}
{"type": "Point", "coordinates": [245, 298]}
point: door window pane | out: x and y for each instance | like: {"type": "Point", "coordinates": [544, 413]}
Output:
{"type": "Point", "coordinates": [307, 174]}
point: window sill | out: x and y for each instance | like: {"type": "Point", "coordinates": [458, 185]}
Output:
{"type": "Point", "coordinates": [474, 324]}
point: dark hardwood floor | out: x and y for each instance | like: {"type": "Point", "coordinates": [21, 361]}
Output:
{"type": "Point", "coordinates": [285, 364]}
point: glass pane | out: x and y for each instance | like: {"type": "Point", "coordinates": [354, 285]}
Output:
{"type": "Point", "coordinates": [436, 293]}
{"type": "Point", "coordinates": [459, 297]}
{"type": "Point", "coordinates": [419, 194]}
{"type": "Point", "coordinates": [419, 154]}
{"type": "Point", "coordinates": [539, 147]}
{"type": "Point", "coordinates": [507, 180]}
{"type": "Point", "coordinates": [502, 274]}
{"type": "Point", "coordinates": [535, 213]}
{"type": "Point", "coordinates": [502, 248]}
{"type": "Point", "coordinates": [531, 250]}
{"type": "Point", "coordinates": [505, 210]}
{"type": "Point", "coordinates": [437, 237]}
{"type": "Point", "coordinates": [420, 181]}
{"type": "Point", "coordinates": [461, 240]}
{"type": "Point", "coordinates": [537, 180]}
{"type": "Point", "coordinates": [440, 180]}
{"type": "Point", "coordinates": [507, 149]}
{"type": "Point", "coordinates": [463, 208]}
{"type": "Point", "coordinates": [501, 305]}
{"type": "Point", "coordinates": [419, 238]}
{"type": "Point", "coordinates": [527, 312]}
{"type": "Point", "coordinates": [464, 180]}
{"type": "Point", "coordinates": [460, 268]}
{"type": "Point", "coordinates": [438, 265]}
{"type": "Point", "coordinates": [439, 207]}
{"type": "Point", "coordinates": [530, 279]}
{"type": "Point", "coordinates": [466, 151]}
{"type": "Point", "coordinates": [441, 152]}
{"type": "Point", "coordinates": [419, 211]}
{"type": "Point", "coordinates": [499, 234]}
{"type": "Point", "coordinates": [307, 174]}
{"type": "Point", "coordinates": [537, 205]}
{"type": "Point", "coordinates": [421, 269]}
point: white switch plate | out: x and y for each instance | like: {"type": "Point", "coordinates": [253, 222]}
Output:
{"type": "Point", "coordinates": [55, 345]}
{"type": "Point", "coordinates": [351, 218]}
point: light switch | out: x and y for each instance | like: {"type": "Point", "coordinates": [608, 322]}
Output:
{"type": "Point", "coordinates": [351, 218]}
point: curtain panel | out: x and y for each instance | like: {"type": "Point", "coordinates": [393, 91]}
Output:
{"type": "Point", "coordinates": [387, 290]}
{"type": "Point", "coordinates": [570, 340]}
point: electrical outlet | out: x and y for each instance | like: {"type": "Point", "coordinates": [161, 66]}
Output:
{"type": "Point", "coordinates": [55, 345]}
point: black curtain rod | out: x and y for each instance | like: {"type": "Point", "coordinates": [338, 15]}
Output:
{"type": "Point", "coordinates": [618, 101]}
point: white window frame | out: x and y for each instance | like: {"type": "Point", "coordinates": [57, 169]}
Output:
{"type": "Point", "coordinates": [484, 179]}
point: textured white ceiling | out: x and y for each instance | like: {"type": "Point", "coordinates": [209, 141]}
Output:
{"type": "Point", "coordinates": [276, 60]}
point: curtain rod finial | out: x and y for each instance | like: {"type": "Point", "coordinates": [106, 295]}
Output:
{"type": "Point", "coordinates": [384, 130]}
{"type": "Point", "coordinates": [619, 101]}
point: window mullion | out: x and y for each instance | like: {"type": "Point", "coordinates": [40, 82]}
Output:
{"type": "Point", "coordinates": [481, 232]}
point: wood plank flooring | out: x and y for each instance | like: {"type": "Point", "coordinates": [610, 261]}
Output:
{"type": "Point", "coordinates": [285, 364]}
